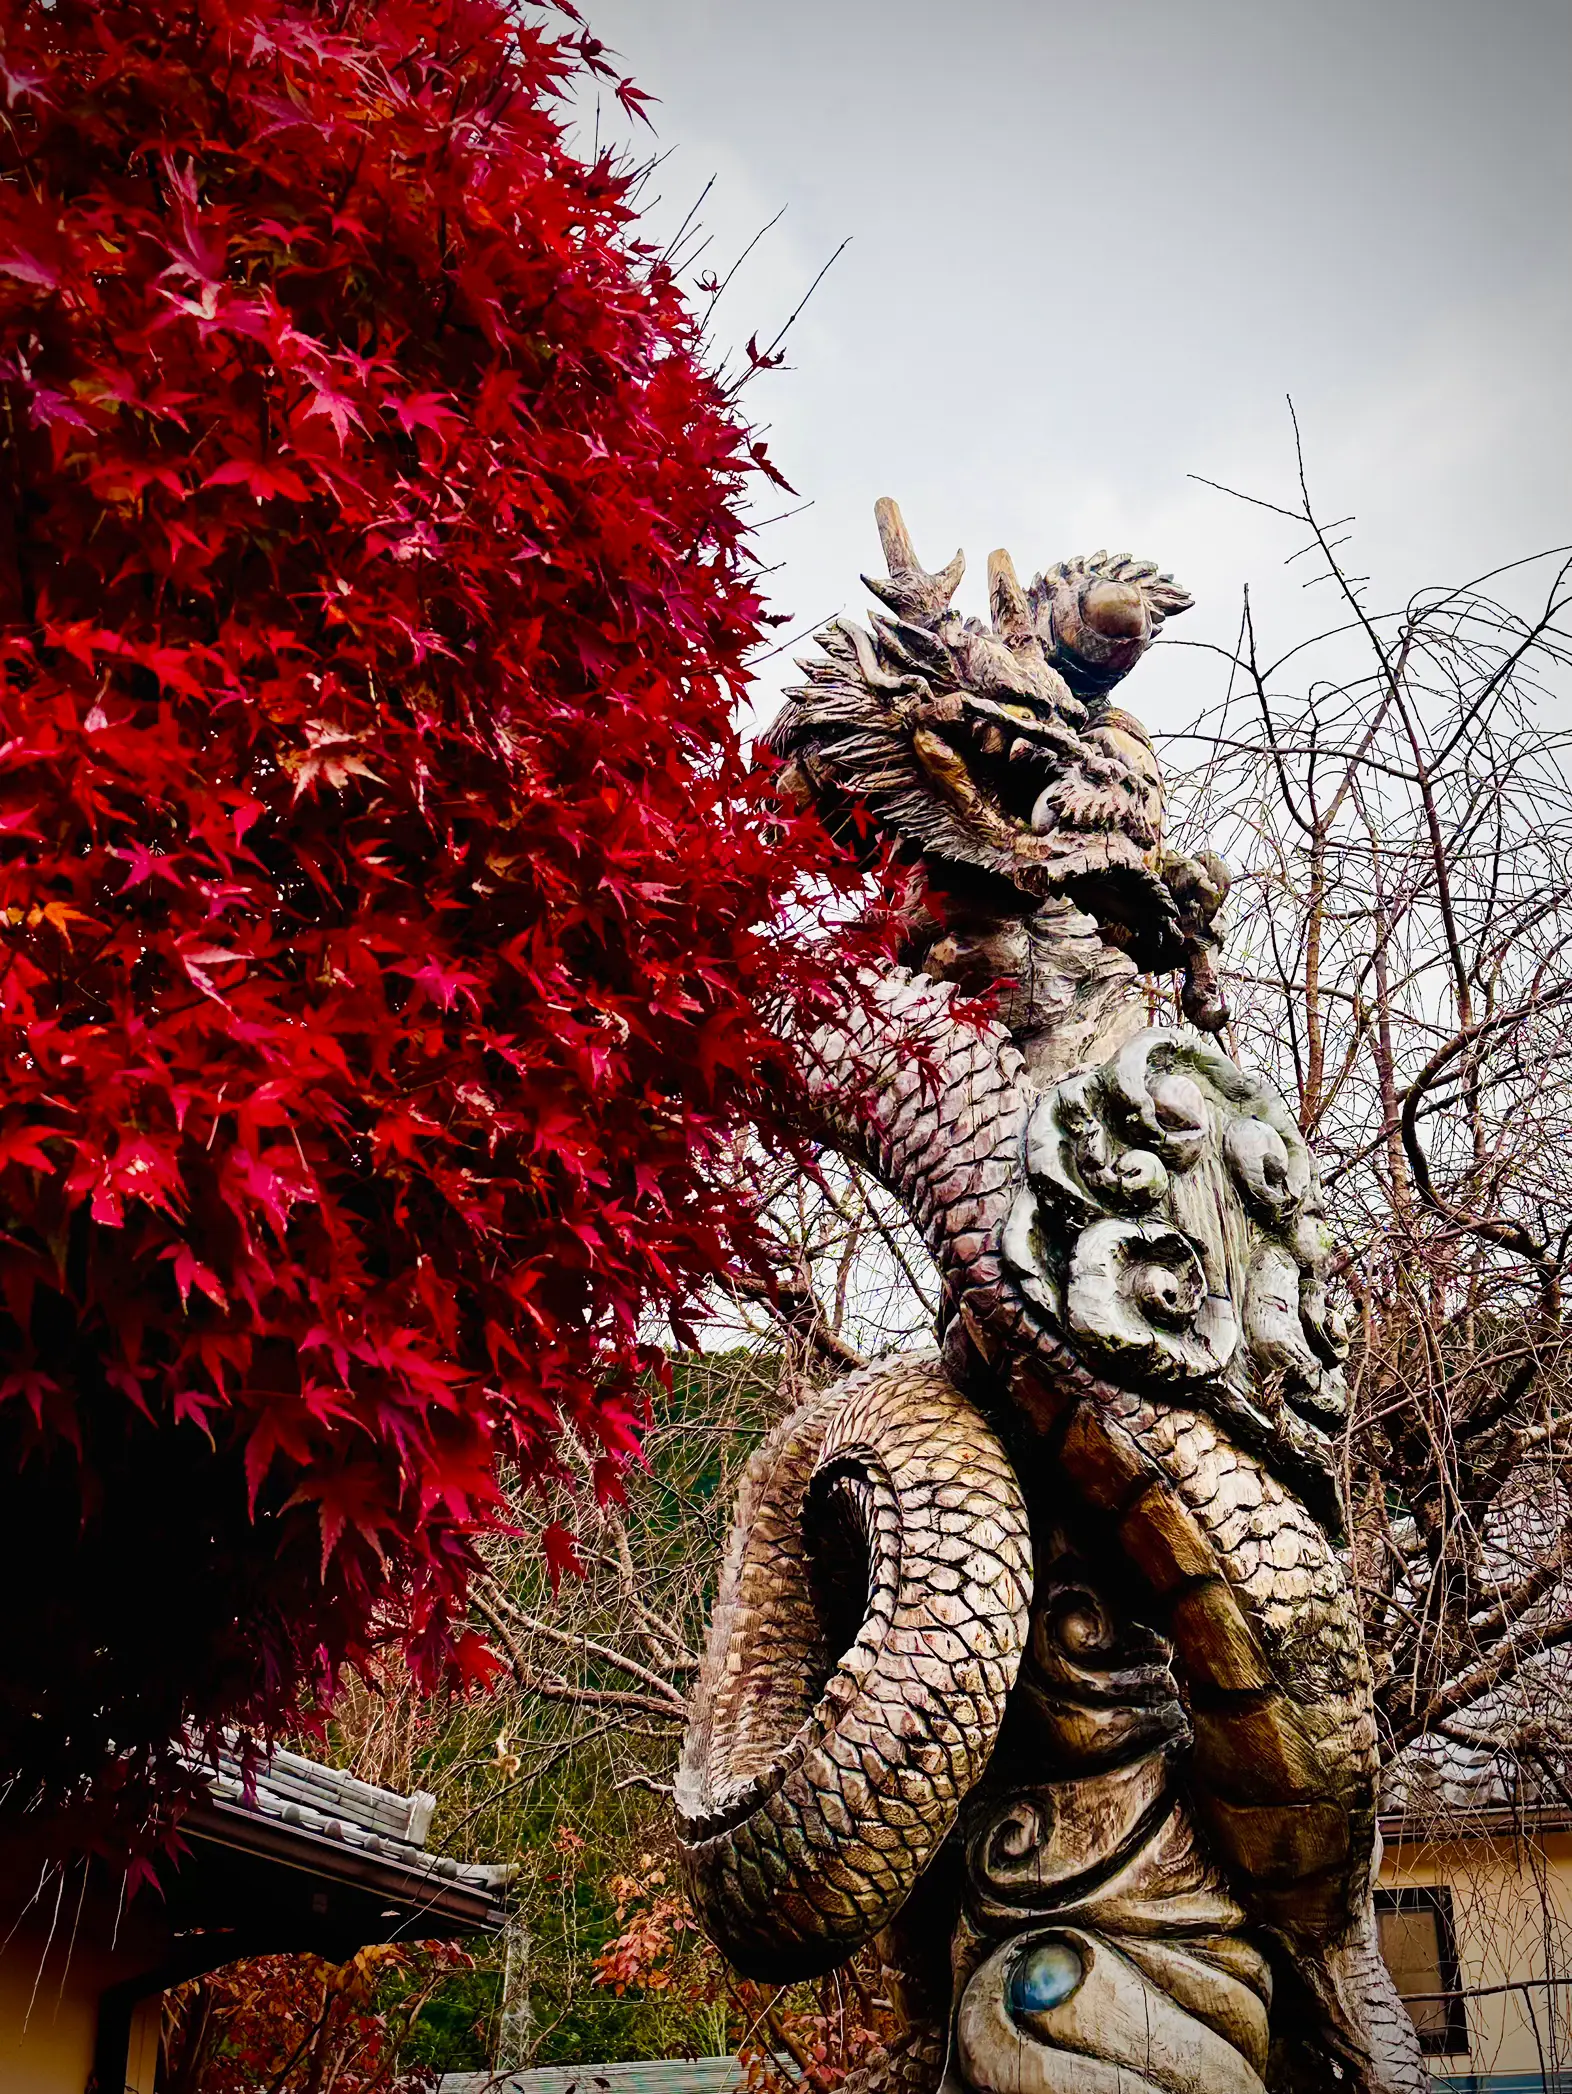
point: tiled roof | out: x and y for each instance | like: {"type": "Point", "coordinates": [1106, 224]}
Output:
{"type": "Point", "coordinates": [1510, 1753]}
{"type": "Point", "coordinates": [326, 1804]}
{"type": "Point", "coordinates": [1438, 1776]}
{"type": "Point", "coordinates": [637, 2076]}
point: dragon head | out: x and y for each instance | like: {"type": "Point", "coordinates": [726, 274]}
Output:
{"type": "Point", "coordinates": [993, 754]}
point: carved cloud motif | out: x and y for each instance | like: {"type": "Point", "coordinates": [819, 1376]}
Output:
{"type": "Point", "coordinates": [1172, 1230]}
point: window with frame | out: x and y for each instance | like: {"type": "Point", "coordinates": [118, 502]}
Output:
{"type": "Point", "coordinates": [1420, 1950]}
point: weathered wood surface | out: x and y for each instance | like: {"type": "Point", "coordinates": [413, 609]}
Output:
{"type": "Point", "coordinates": [1045, 1645]}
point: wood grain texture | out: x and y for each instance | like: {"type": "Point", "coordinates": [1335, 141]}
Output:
{"type": "Point", "coordinates": [1107, 1644]}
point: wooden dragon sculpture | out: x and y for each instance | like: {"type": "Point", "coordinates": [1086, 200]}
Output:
{"type": "Point", "coordinates": [1035, 1657]}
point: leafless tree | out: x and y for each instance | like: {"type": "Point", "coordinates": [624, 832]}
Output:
{"type": "Point", "coordinates": [1395, 801]}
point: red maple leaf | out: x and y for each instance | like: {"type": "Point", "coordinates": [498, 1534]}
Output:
{"type": "Point", "coordinates": [561, 1556]}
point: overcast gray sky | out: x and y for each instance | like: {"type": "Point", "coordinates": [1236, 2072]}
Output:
{"type": "Point", "coordinates": [1092, 250]}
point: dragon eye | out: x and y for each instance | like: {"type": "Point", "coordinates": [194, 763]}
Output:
{"type": "Point", "coordinates": [1046, 1976]}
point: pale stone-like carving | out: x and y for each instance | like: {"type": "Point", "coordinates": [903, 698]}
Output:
{"type": "Point", "coordinates": [1112, 1827]}
{"type": "Point", "coordinates": [1172, 1227]}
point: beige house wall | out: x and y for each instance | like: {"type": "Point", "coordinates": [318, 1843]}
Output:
{"type": "Point", "coordinates": [62, 1944]}
{"type": "Point", "coordinates": [48, 2013]}
{"type": "Point", "coordinates": [47, 2034]}
{"type": "Point", "coordinates": [1512, 1913]}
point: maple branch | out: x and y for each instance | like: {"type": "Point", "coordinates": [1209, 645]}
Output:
{"type": "Point", "coordinates": [585, 1646]}
{"type": "Point", "coordinates": [671, 1707]}
{"type": "Point", "coordinates": [1495, 1229]}
{"type": "Point", "coordinates": [797, 1309]}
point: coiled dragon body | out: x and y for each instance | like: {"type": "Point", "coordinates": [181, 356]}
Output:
{"type": "Point", "coordinates": [1035, 1657]}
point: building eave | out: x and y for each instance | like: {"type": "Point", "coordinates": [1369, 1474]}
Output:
{"type": "Point", "coordinates": [1458, 1827]}
{"type": "Point", "coordinates": [428, 1897]}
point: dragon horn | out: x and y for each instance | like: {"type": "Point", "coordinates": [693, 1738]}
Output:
{"type": "Point", "coordinates": [900, 555]}
{"type": "Point", "coordinates": [1012, 614]}
{"type": "Point", "coordinates": [911, 592]}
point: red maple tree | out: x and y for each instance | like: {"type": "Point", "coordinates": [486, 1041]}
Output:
{"type": "Point", "coordinates": [277, 2022]}
{"type": "Point", "coordinates": [385, 898]}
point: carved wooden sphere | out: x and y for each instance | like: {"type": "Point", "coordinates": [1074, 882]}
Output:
{"type": "Point", "coordinates": [1046, 1976]}
{"type": "Point", "coordinates": [1117, 610]}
